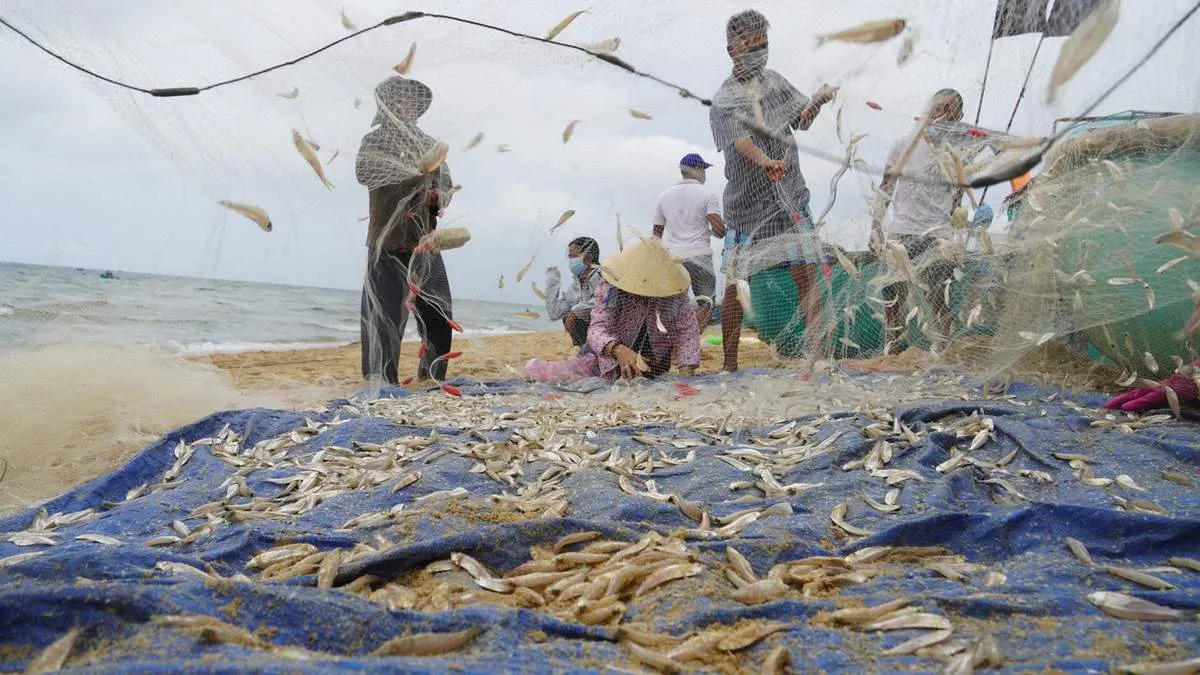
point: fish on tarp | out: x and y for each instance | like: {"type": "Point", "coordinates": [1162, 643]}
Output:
{"type": "Point", "coordinates": [254, 213]}
{"type": "Point", "coordinates": [869, 32]}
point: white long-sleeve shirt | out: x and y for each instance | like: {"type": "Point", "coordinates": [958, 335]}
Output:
{"type": "Point", "coordinates": [578, 298]}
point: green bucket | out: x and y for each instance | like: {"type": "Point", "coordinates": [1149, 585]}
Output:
{"type": "Point", "coordinates": [858, 332]}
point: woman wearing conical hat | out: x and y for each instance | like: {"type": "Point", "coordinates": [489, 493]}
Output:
{"type": "Point", "coordinates": [643, 314]}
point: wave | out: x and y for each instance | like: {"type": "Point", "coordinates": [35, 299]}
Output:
{"type": "Point", "coordinates": [208, 347]}
{"type": "Point", "coordinates": [346, 327]}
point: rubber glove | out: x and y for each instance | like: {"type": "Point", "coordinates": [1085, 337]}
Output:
{"type": "Point", "coordinates": [1149, 398]}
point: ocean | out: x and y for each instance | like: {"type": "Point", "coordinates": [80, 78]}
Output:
{"type": "Point", "coordinates": [199, 316]}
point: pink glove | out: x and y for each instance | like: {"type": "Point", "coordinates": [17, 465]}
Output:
{"type": "Point", "coordinates": [1148, 398]}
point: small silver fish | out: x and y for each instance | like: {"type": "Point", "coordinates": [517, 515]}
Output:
{"type": "Point", "coordinates": [562, 25]}
{"type": "Point", "coordinates": [310, 156]}
{"type": "Point", "coordinates": [406, 65]}
{"type": "Point", "coordinates": [254, 213]}
{"type": "Point", "coordinates": [1083, 44]}
{"type": "Point", "coordinates": [869, 32]}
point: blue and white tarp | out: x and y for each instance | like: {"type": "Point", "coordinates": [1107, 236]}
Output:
{"type": "Point", "coordinates": [1016, 581]}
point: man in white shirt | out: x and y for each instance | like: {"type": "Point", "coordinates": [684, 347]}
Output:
{"type": "Point", "coordinates": [686, 216]}
{"type": "Point", "coordinates": [922, 211]}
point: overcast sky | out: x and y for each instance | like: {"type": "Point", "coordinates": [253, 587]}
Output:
{"type": "Point", "coordinates": [94, 176]}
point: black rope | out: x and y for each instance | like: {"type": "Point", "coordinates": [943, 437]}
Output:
{"type": "Point", "coordinates": [998, 176]}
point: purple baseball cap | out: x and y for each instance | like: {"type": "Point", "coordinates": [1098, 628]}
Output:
{"type": "Point", "coordinates": [694, 161]}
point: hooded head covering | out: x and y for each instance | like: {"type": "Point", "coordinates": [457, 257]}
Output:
{"type": "Point", "coordinates": [647, 269]}
{"type": "Point", "coordinates": [390, 153]}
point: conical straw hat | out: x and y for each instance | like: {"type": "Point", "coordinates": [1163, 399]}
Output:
{"type": "Point", "coordinates": [646, 268]}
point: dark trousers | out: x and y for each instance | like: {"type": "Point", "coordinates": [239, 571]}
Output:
{"type": "Point", "coordinates": [579, 333]}
{"type": "Point", "coordinates": [384, 314]}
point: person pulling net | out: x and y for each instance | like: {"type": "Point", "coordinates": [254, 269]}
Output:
{"type": "Point", "coordinates": [409, 185]}
{"type": "Point", "coordinates": [766, 201]}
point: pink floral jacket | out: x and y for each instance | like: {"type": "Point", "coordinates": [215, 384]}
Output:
{"type": "Point", "coordinates": [620, 316]}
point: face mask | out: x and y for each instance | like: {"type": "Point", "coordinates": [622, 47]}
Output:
{"type": "Point", "coordinates": [576, 266]}
{"type": "Point", "coordinates": [753, 61]}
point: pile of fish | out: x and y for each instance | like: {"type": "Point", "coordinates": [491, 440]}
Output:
{"type": "Point", "coordinates": [529, 447]}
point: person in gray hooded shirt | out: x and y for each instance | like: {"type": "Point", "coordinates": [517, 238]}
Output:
{"type": "Point", "coordinates": [765, 193]}
{"type": "Point", "coordinates": [404, 204]}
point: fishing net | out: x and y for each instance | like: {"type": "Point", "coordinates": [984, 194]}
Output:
{"type": "Point", "coordinates": [433, 165]}
{"type": "Point", "coordinates": [336, 171]}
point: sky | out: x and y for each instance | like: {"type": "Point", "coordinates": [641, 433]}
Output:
{"type": "Point", "coordinates": [97, 177]}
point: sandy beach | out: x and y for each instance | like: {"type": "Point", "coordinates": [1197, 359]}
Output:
{"type": "Point", "coordinates": [487, 358]}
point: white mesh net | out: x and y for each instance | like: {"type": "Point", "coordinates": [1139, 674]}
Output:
{"type": "Point", "coordinates": [292, 175]}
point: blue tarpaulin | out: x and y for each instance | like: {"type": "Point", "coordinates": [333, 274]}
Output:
{"type": "Point", "coordinates": [1037, 611]}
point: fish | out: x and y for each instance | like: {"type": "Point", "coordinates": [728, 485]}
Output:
{"type": "Point", "coordinates": [346, 23]}
{"type": "Point", "coordinates": [1039, 340]}
{"type": "Point", "coordinates": [290, 94]}
{"type": "Point", "coordinates": [1139, 577]}
{"type": "Point", "coordinates": [845, 262]}
{"type": "Point", "coordinates": [52, 658]}
{"type": "Point", "coordinates": [777, 661]}
{"type": "Point", "coordinates": [569, 130]}
{"type": "Point", "coordinates": [869, 32]}
{"type": "Point", "coordinates": [620, 237]}
{"type": "Point", "coordinates": [254, 213]}
{"type": "Point", "coordinates": [1189, 667]}
{"type": "Point", "coordinates": [838, 515]}
{"type": "Point", "coordinates": [604, 46]}
{"type": "Point", "coordinates": [562, 25]}
{"type": "Point", "coordinates": [1186, 563]}
{"type": "Point", "coordinates": [475, 140]}
{"type": "Point", "coordinates": [638, 114]}
{"type": "Point", "coordinates": [310, 156]}
{"type": "Point", "coordinates": [357, 103]}
{"type": "Point", "coordinates": [566, 215]}
{"type": "Point", "coordinates": [99, 539]}
{"type": "Point", "coordinates": [503, 148]}
{"type": "Point", "coordinates": [433, 157]}
{"type": "Point", "coordinates": [658, 322]}
{"type": "Point", "coordinates": [537, 291]}
{"type": "Point", "coordinates": [1124, 606]}
{"type": "Point", "coordinates": [443, 239]}
{"type": "Point", "coordinates": [406, 65]}
{"type": "Point", "coordinates": [906, 50]}
{"type": "Point", "coordinates": [1181, 239]}
{"type": "Point", "coordinates": [427, 644]}
{"type": "Point", "coordinates": [759, 592]}
{"type": "Point", "coordinates": [525, 270]}
{"type": "Point", "coordinates": [500, 283]}
{"type": "Point", "coordinates": [1162, 269]}
{"type": "Point", "coordinates": [1085, 41]}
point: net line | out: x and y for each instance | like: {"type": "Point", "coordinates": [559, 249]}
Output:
{"type": "Point", "coordinates": [998, 175]}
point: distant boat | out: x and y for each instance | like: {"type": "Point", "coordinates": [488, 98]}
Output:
{"type": "Point", "coordinates": [108, 274]}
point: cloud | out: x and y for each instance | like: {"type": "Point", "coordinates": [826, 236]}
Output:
{"type": "Point", "coordinates": [117, 179]}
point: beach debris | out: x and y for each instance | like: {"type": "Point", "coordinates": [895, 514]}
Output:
{"type": "Point", "coordinates": [309, 154]}
{"type": "Point", "coordinates": [866, 33]}
{"type": "Point", "coordinates": [254, 213]}
{"type": "Point", "coordinates": [1082, 45]}
{"type": "Point", "coordinates": [406, 65]}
